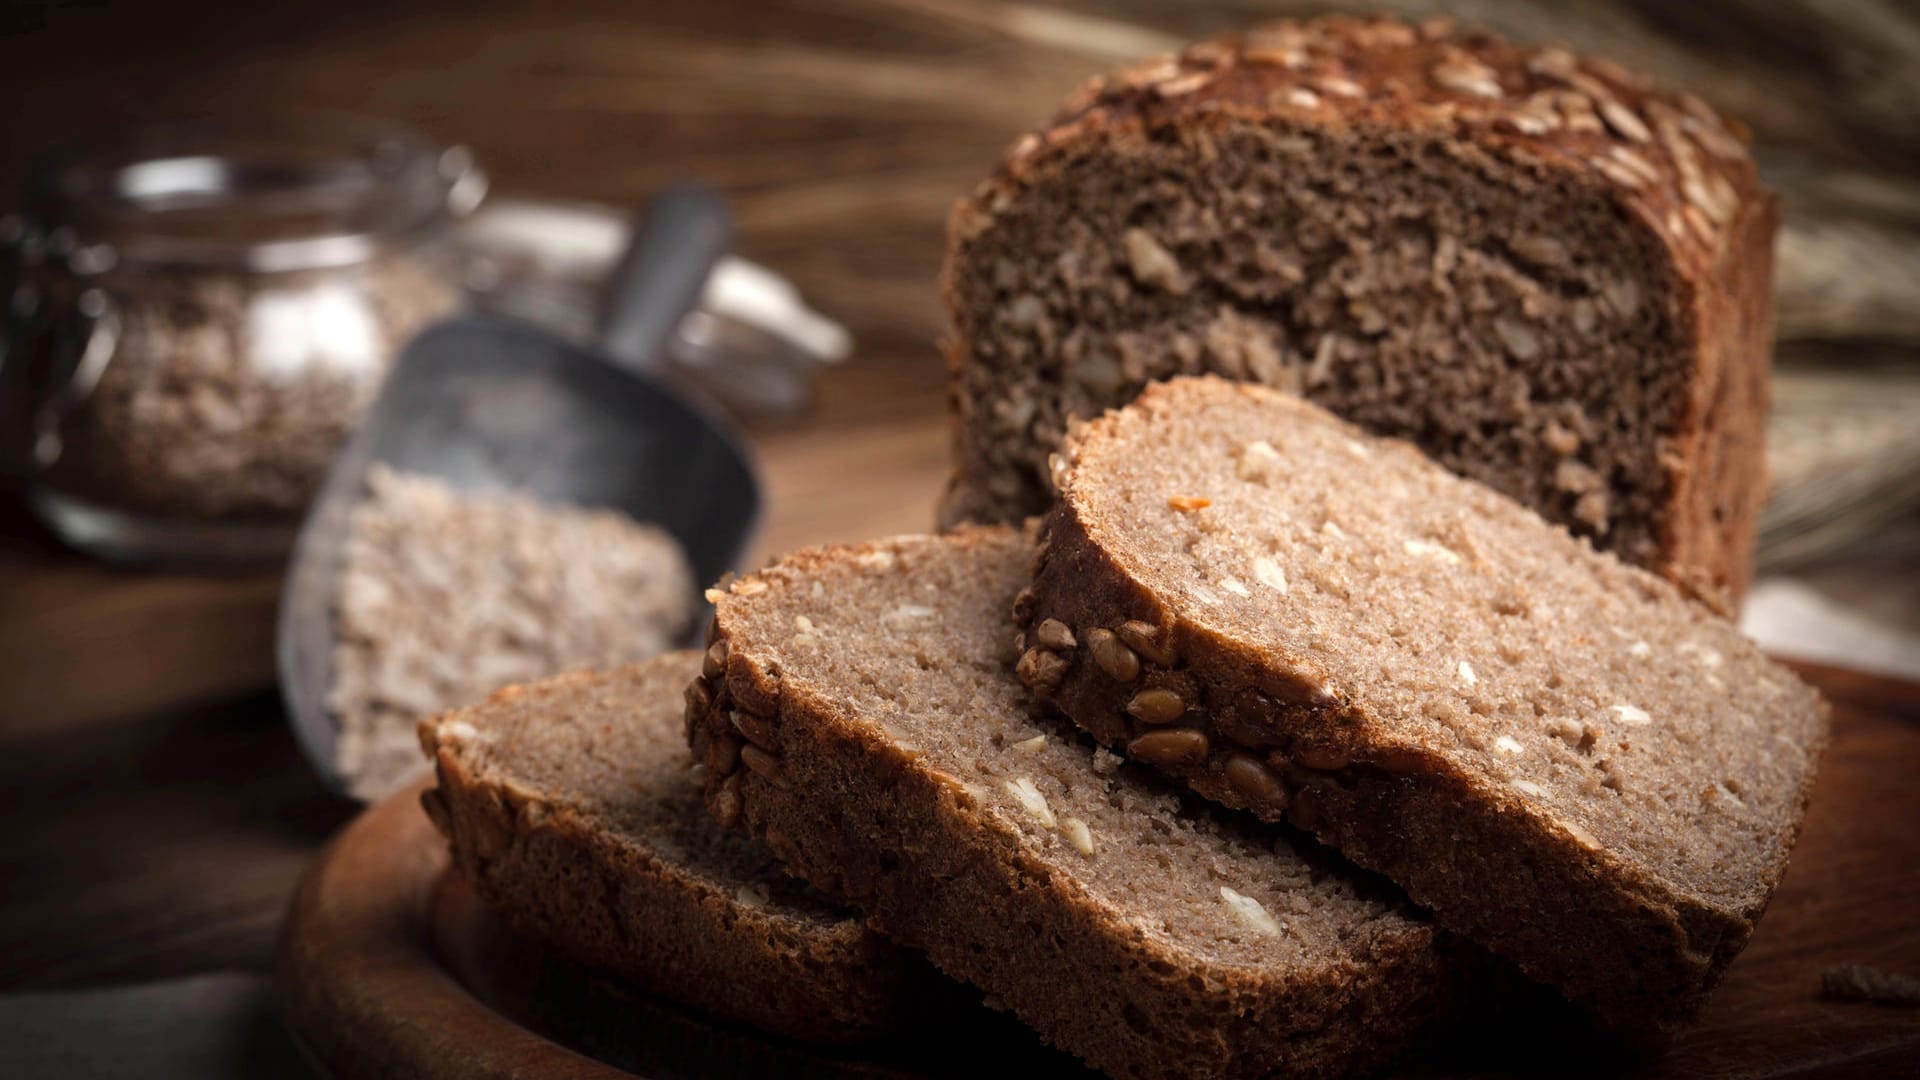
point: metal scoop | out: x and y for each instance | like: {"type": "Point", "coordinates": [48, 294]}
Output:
{"type": "Point", "coordinates": [485, 403]}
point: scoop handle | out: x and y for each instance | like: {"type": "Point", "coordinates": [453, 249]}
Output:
{"type": "Point", "coordinates": [676, 240]}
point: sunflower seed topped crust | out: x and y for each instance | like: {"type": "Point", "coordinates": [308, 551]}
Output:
{"type": "Point", "coordinates": [1452, 692]}
{"type": "Point", "coordinates": [1520, 257]}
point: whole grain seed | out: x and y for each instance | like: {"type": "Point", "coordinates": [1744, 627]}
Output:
{"type": "Point", "coordinates": [1023, 607]}
{"type": "Point", "coordinates": [1579, 834]}
{"type": "Point", "coordinates": [1258, 461]}
{"type": "Point", "coordinates": [1624, 121]}
{"type": "Point", "coordinates": [1183, 85]}
{"type": "Point", "coordinates": [1187, 504]}
{"type": "Point", "coordinates": [1716, 138]}
{"type": "Point", "coordinates": [763, 765]}
{"type": "Point", "coordinates": [1040, 669]}
{"type": "Point", "coordinates": [1156, 705]}
{"type": "Point", "coordinates": [1152, 70]}
{"type": "Point", "coordinates": [1553, 61]}
{"type": "Point", "coordinates": [1701, 225]}
{"type": "Point", "coordinates": [1256, 783]}
{"type": "Point", "coordinates": [1267, 572]}
{"type": "Point", "coordinates": [1635, 164]}
{"type": "Point", "coordinates": [1028, 795]}
{"type": "Point", "coordinates": [1173, 746]}
{"type": "Point", "coordinates": [755, 698]}
{"type": "Point", "coordinates": [1519, 339]}
{"type": "Point", "coordinates": [1054, 634]}
{"type": "Point", "coordinates": [758, 731]}
{"type": "Point", "coordinates": [1251, 913]}
{"type": "Point", "coordinates": [1143, 638]}
{"type": "Point", "coordinates": [1540, 248]}
{"type": "Point", "coordinates": [1114, 658]}
{"type": "Point", "coordinates": [1622, 296]}
{"type": "Point", "coordinates": [1426, 549]}
{"type": "Point", "coordinates": [1578, 112]}
{"type": "Point", "coordinates": [1057, 470]}
{"type": "Point", "coordinates": [1077, 834]}
{"type": "Point", "coordinates": [1593, 89]}
{"type": "Point", "coordinates": [1464, 75]}
{"type": "Point", "coordinates": [1617, 172]}
{"type": "Point", "coordinates": [1631, 714]}
{"type": "Point", "coordinates": [698, 697]}
{"type": "Point", "coordinates": [1208, 54]}
{"type": "Point", "coordinates": [1278, 56]}
{"type": "Point", "coordinates": [1151, 263]}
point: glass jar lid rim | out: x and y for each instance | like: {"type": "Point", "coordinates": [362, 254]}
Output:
{"type": "Point", "coordinates": [264, 194]}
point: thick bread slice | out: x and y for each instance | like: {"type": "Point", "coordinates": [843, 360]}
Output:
{"type": "Point", "coordinates": [572, 809]}
{"type": "Point", "coordinates": [1560, 755]}
{"type": "Point", "coordinates": [858, 713]}
{"type": "Point", "coordinates": [1550, 273]}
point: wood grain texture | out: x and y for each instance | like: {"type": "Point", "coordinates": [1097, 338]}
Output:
{"type": "Point", "coordinates": [364, 993]}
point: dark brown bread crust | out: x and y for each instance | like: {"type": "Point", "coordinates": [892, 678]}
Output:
{"type": "Point", "coordinates": [1676, 168]}
{"type": "Point", "coordinates": [1609, 934]}
{"type": "Point", "coordinates": [862, 817]}
{"type": "Point", "coordinates": [614, 903]}
{"type": "Point", "coordinates": [1720, 479]}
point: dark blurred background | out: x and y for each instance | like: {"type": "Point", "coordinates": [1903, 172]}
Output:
{"type": "Point", "coordinates": [844, 128]}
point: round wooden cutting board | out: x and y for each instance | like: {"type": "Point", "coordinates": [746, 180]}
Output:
{"type": "Point", "coordinates": [390, 966]}
{"type": "Point", "coordinates": [360, 981]}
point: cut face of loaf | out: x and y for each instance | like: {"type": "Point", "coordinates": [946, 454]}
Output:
{"type": "Point", "coordinates": [859, 714]}
{"type": "Point", "coordinates": [1553, 278]}
{"type": "Point", "coordinates": [1561, 756]}
{"type": "Point", "coordinates": [571, 808]}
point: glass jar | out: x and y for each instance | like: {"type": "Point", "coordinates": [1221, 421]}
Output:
{"type": "Point", "coordinates": [206, 311]}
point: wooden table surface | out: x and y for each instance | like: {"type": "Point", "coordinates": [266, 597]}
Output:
{"type": "Point", "coordinates": [154, 812]}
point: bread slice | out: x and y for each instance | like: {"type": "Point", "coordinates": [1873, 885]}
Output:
{"type": "Point", "coordinates": [858, 714]}
{"type": "Point", "coordinates": [1560, 755]}
{"type": "Point", "coordinates": [1553, 276]}
{"type": "Point", "coordinates": [572, 809]}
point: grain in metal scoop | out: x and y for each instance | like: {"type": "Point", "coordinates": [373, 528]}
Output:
{"type": "Point", "coordinates": [483, 403]}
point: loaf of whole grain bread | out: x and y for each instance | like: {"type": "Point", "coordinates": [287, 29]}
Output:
{"type": "Point", "coordinates": [858, 714]}
{"type": "Point", "coordinates": [1550, 274]}
{"type": "Point", "coordinates": [572, 810]}
{"type": "Point", "coordinates": [1557, 753]}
